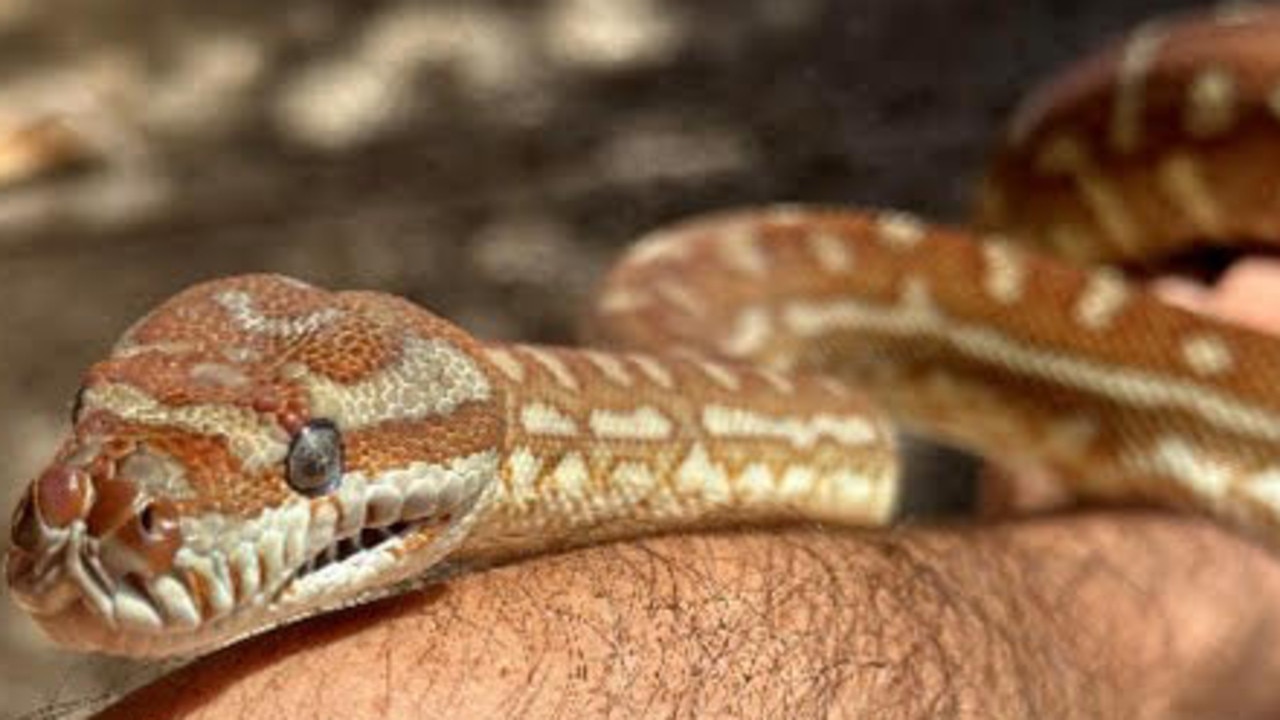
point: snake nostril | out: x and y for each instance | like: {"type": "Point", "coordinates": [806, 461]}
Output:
{"type": "Point", "coordinates": [147, 520]}
{"type": "Point", "coordinates": [158, 535]}
{"type": "Point", "coordinates": [145, 544]}
{"type": "Point", "coordinates": [158, 520]}
{"type": "Point", "coordinates": [25, 531]}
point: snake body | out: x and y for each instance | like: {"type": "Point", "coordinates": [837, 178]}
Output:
{"type": "Point", "coordinates": [257, 450]}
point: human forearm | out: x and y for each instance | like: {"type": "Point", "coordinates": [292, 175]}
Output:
{"type": "Point", "coordinates": [1087, 617]}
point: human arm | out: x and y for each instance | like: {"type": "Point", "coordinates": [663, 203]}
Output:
{"type": "Point", "coordinates": [1095, 616]}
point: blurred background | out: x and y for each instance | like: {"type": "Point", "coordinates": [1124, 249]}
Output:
{"type": "Point", "coordinates": [486, 159]}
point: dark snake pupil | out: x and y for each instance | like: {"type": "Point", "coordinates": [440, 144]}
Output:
{"type": "Point", "coordinates": [314, 465]}
{"type": "Point", "coordinates": [315, 468]}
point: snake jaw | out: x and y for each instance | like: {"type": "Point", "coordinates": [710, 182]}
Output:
{"type": "Point", "coordinates": [362, 534]}
{"type": "Point", "coordinates": [232, 579]}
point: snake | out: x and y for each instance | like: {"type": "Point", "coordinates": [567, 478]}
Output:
{"type": "Point", "coordinates": [257, 450]}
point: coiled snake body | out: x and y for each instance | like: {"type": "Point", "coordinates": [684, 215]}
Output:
{"type": "Point", "coordinates": [257, 450]}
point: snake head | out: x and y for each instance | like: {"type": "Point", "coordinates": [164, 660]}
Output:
{"type": "Point", "coordinates": [253, 451]}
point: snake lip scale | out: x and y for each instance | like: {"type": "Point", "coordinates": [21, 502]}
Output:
{"type": "Point", "coordinates": [257, 450]}
{"type": "Point", "coordinates": [78, 571]}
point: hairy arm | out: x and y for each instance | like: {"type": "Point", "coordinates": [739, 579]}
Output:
{"type": "Point", "coordinates": [1092, 616]}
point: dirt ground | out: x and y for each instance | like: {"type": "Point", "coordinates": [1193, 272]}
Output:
{"type": "Point", "coordinates": [486, 159]}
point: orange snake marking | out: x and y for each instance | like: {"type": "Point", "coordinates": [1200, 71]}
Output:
{"type": "Point", "coordinates": [452, 450]}
{"type": "Point", "coordinates": [741, 368]}
{"type": "Point", "coordinates": [1168, 135]}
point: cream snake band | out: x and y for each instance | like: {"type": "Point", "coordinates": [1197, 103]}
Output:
{"type": "Point", "coordinates": [257, 450]}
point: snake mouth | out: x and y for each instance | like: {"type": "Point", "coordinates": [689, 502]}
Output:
{"type": "Point", "coordinates": [368, 540]}
{"type": "Point", "coordinates": [235, 577]}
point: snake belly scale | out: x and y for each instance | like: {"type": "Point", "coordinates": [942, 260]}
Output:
{"type": "Point", "coordinates": [257, 450]}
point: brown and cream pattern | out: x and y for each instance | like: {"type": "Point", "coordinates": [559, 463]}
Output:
{"type": "Point", "coordinates": [742, 367]}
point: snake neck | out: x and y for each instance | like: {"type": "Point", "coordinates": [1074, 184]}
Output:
{"type": "Point", "coordinates": [605, 445]}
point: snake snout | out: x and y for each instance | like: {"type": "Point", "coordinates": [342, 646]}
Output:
{"type": "Point", "coordinates": [41, 529]}
{"type": "Point", "coordinates": [63, 494]}
{"type": "Point", "coordinates": [142, 541]}
{"type": "Point", "coordinates": [77, 528]}
{"type": "Point", "coordinates": [132, 537]}
{"type": "Point", "coordinates": [53, 502]}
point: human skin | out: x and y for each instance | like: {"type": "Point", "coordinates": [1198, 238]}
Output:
{"type": "Point", "coordinates": [1099, 614]}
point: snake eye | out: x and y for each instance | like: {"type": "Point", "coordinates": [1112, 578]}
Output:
{"type": "Point", "coordinates": [314, 466]}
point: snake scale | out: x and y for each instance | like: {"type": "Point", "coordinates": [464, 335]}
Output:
{"type": "Point", "coordinates": [257, 450]}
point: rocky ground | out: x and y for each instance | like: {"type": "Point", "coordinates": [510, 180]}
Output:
{"type": "Point", "coordinates": [486, 159]}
